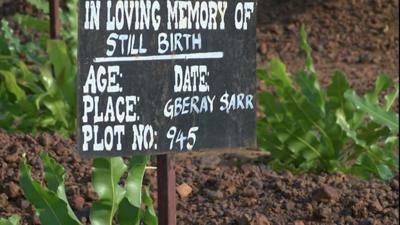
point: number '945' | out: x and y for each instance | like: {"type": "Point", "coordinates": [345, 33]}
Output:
{"type": "Point", "coordinates": [179, 138]}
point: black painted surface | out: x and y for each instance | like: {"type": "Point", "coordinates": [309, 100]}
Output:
{"type": "Point", "coordinates": [153, 82]}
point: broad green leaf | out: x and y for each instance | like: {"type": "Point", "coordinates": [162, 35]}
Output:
{"type": "Point", "coordinates": [150, 216]}
{"type": "Point", "coordinates": [65, 74]}
{"type": "Point", "coordinates": [47, 80]}
{"type": "Point", "coordinates": [130, 207]}
{"type": "Point", "coordinates": [299, 108]}
{"type": "Point", "coordinates": [342, 122]}
{"type": "Point", "coordinates": [59, 58]}
{"type": "Point", "coordinates": [287, 143]}
{"type": "Point", "coordinates": [28, 79]}
{"type": "Point", "coordinates": [42, 5]}
{"type": "Point", "coordinates": [47, 121]}
{"type": "Point", "coordinates": [307, 49]}
{"type": "Point", "coordinates": [271, 107]}
{"type": "Point", "coordinates": [382, 83]}
{"type": "Point", "coordinates": [278, 77]}
{"type": "Point", "coordinates": [267, 139]}
{"type": "Point", "coordinates": [72, 14]}
{"type": "Point", "coordinates": [133, 184]}
{"type": "Point", "coordinates": [51, 209]}
{"type": "Point", "coordinates": [334, 131]}
{"type": "Point", "coordinates": [360, 171]}
{"type": "Point", "coordinates": [128, 214]}
{"type": "Point", "coordinates": [58, 108]}
{"type": "Point", "coordinates": [13, 220]}
{"type": "Point", "coordinates": [261, 74]}
{"type": "Point", "coordinates": [311, 89]}
{"type": "Point", "coordinates": [304, 142]}
{"type": "Point", "coordinates": [391, 142]}
{"type": "Point", "coordinates": [5, 53]}
{"type": "Point", "coordinates": [39, 100]}
{"type": "Point", "coordinates": [107, 173]}
{"type": "Point", "coordinates": [367, 163]}
{"type": "Point", "coordinates": [5, 58]}
{"type": "Point", "coordinates": [33, 22]}
{"type": "Point", "coordinates": [58, 55]}
{"type": "Point", "coordinates": [14, 44]}
{"type": "Point", "coordinates": [54, 175]}
{"type": "Point", "coordinates": [336, 90]}
{"type": "Point", "coordinates": [391, 98]}
{"type": "Point", "coordinates": [385, 173]}
{"type": "Point", "coordinates": [307, 115]}
{"type": "Point", "coordinates": [373, 133]}
{"type": "Point", "coordinates": [389, 152]}
{"type": "Point", "coordinates": [376, 113]}
{"type": "Point", "coordinates": [12, 86]}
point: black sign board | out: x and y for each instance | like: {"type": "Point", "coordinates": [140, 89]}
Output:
{"type": "Point", "coordinates": [165, 76]}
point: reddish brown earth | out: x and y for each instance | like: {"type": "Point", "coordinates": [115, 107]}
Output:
{"type": "Point", "coordinates": [228, 190]}
{"type": "Point", "coordinates": [360, 37]}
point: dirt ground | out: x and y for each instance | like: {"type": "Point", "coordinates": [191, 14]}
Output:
{"type": "Point", "coordinates": [225, 190]}
{"type": "Point", "coordinates": [360, 37]}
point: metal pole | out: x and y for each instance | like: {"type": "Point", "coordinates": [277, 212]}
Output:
{"type": "Point", "coordinates": [54, 18]}
{"type": "Point", "coordinates": [166, 190]}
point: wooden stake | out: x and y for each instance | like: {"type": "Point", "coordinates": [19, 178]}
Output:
{"type": "Point", "coordinates": [166, 190]}
{"type": "Point", "coordinates": [54, 18]}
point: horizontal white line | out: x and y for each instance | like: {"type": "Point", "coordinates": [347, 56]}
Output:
{"type": "Point", "coordinates": [205, 55]}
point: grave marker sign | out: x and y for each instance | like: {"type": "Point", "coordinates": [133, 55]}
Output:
{"type": "Point", "coordinates": [165, 76]}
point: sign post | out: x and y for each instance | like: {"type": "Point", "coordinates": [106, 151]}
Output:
{"type": "Point", "coordinates": [54, 18]}
{"type": "Point", "coordinates": [166, 190]}
{"type": "Point", "coordinates": [164, 77]}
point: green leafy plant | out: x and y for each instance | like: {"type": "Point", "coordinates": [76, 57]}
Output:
{"type": "Point", "coordinates": [33, 98]}
{"type": "Point", "coordinates": [125, 204]}
{"type": "Point", "coordinates": [37, 77]}
{"type": "Point", "coordinates": [309, 128]}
